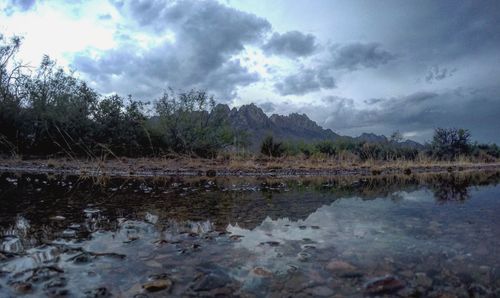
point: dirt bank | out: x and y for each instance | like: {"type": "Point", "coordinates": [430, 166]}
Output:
{"type": "Point", "coordinates": [254, 167]}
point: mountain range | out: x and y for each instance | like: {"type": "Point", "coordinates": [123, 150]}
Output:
{"type": "Point", "coordinates": [257, 125]}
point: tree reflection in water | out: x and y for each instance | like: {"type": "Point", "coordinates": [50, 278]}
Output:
{"type": "Point", "coordinates": [279, 229]}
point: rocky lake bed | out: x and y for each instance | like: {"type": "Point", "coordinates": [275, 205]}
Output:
{"type": "Point", "coordinates": [426, 235]}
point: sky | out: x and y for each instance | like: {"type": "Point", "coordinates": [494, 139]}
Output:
{"type": "Point", "coordinates": [351, 66]}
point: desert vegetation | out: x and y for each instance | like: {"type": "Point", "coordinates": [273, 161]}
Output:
{"type": "Point", "coordinates": [448, 144]}
{"type": "Point", "coordinates": [49, 112]}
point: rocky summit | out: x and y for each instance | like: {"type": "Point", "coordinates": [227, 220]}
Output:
{"type": "Point", "coordinates": [251, 121]}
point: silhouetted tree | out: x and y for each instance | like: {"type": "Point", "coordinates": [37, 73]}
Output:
{"type": "Point", "coordinates": [450, 143]}
{"type": "Point", "coordinates": [396, 137]}
{"type": "Point", "coordinates": [187, 125]}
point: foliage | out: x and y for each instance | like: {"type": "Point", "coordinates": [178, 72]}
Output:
{"type": "Point", "coordinates": [10, 106]}
{"type": "Point", "coordinates": [272, 148]}
{"type": "Point", "coordinates": [485, 152]}
{"type": "Point", "coordinates": [362, 150]}
{"type": "Point", "coordinates": [396, 137]}
{"type": "Point", "coordinates": [326, 147]}
{"type": "Point", "coordinates": [49, 111]}
{"type": "Point", "coordinates": [120, 127]}
{"type": "Point", "coordinates": [450, 143]}
{"type": "Point", "coordinates": [186, 124]}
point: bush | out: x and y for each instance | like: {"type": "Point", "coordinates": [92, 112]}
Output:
{"type": "Point", "coordinates": [450, 143]}
{"type": "Point", "coordinates": [187, 123]}
{"type": "Point", "coordinates": [271, 148]}
{"type": "Point", "coordinates": [327, 148]}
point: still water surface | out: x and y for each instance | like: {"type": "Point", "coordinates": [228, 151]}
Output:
{"type": "Point", "coordinates": [426, 236]}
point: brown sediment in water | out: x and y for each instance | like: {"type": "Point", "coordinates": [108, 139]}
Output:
{"type": "Point", "coordinates": [152, 167]}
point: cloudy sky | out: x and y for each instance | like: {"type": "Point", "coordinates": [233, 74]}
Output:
{"type": "Point", "coordinates": [352, 66]}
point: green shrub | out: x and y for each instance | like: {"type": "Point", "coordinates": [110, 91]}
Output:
{"type": "Point", "coordinates": [327, 148]}
{"type": "Point", "coordinates": [271, 148]}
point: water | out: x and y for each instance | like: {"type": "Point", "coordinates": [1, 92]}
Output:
{"type": "Point", "coordinates": [425, 236]}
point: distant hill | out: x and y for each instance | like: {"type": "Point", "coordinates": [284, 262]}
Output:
{"type": "Point", "coordinates": [252, 120]}
{"type": "Point", "coordinates": [372, 138]}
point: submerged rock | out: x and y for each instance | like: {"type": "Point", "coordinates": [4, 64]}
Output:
{"type": "Point", "coordinates": [383, 285]}
{"type": "Point", "coordinates": [270, 243]}
{"type": "Point", "coordinates": [56, 283]}
{"type": "Point", "coordinates": [343, 269]}
{"type": "Point", "coordinates": [321, 291]}
{"type": "Point", "coordinates": [477, 290]}
{"type": "Point", "coordinates": [423, 280]}
{"type": "Point", "coordinates": [22, 287]}
{"type": "Point", "coordinates": [82, 258]}
{"type": "Point", "coordinates": [158, 285]}
{"type": "Point", "coordinates": [339, 266]}
{"type": "Point", "coordinates": [259, 271]}
{"type": "Point", "coordinates": [304, 256]}
{"type": "Point", "coordinates": [56, 288]}
{"type": "Point", "coordinates": [211, 279]}
{"type": "Point", "coordinates": [236, 237]}
{"type": "Point", "coordinates": [101, 292]}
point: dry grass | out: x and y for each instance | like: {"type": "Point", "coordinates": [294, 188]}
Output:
{"type": "Point", "coordinates": [102, 166]}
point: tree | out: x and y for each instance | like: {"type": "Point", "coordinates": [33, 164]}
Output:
{"type": "Point", "coordinates": [58, 111]}
{"type": "Point", "coordinates": [11, 79]}
{"type": "Point", "coordinates": [187, 123]}
{"type": "Point", "coordinates": [272, 148]}
{"type": "Point", "coordinates": [450, 143]}
{"type": "Point", "coordinates": [120, 126]}
{"type": "Point", "coordinates": [10, 69]}
{"type": "Point", "coordinates": [396, 137]}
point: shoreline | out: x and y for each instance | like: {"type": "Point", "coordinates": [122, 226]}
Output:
{"type": "Point", "coordinates": [185, 167]}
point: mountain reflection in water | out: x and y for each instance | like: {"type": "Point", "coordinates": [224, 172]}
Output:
{"type": "Point", "coordinates": [426, 235]}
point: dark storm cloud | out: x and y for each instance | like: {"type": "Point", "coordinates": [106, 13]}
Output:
{"type": "Point", "coordinates": [359, 55]}
{"type": "Point", "coordinates": [350, 56]}
{"type": "Point", "coordinates": [20, 5]}
{"type": "Point", "coordinates": [23, 4]}
{"type": "Point", "coordinates": [421, 112]}
{"type": "Point", "coordinates": [434, 40]}
{"type": "Point", "coordinates": [305, 81]}
{"type": "Point", "coordinates": [437, 73]}
{"type": "Point", "coordinates": [207, 37]}
{"type": "Point", "coordinates": [372, 101]}
{"type": "Point", "coordinates": [292, 44]}
{"type": "Point", "coordinates": [427, 33]}
{"type": "Point", "coordinates": [451, 29]}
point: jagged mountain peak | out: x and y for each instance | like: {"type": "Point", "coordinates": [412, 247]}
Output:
{"type": "Point", "coordinates": [222, 108]}
{"type": "Point", "coordinates": [296, 121]}
{"type": "Point", "coordinates": [252, 120]}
